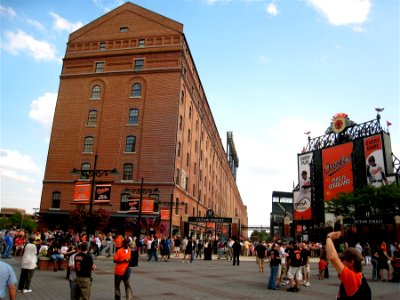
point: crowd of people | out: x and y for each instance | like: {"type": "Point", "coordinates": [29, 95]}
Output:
{"type": "Point", "coordinates": [289, 262]}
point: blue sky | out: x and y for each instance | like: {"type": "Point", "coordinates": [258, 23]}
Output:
{"type": "Point", "coordinates": [271, 70]}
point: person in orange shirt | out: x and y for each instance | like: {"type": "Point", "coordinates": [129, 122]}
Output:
{"type": "Point", "coordinates": [349, 267]}
{"type": "Point", "coordinates": [122, 271]}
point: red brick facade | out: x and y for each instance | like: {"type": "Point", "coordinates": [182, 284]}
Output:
{"type": "Point", "coordinates": [177, 146]}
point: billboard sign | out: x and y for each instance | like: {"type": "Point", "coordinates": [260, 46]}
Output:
{"type": "Point", "coordinates": [373, 153]}
{"type": "Point", "coordinates": [82, 193]}
{"type": "Point", "coordinates": [302, 198]}
{"type": "Point", "coordinates": [102, 193]}
{"type": "Point", "coordinates": [337, 170]}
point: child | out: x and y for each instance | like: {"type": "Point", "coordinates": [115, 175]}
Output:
{"type": "Point", "coordinates": [321, 267]}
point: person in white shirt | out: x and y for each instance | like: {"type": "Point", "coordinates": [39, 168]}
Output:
{"type": "Point", "coordinates": [29, 260]}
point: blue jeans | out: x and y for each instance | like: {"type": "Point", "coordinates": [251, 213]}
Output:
{"type": "Point", "coordinates": [272, 277]}
{"type": "Point", "coordinates": [6, 253]}
{"type": "Point", "coordinates": [153, 253]}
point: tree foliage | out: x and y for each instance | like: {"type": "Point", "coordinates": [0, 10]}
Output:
{"type": "Point", "coordinates": [260, 235]}
{"type": "Point", "coordinates": [18, 221]}
{"type": "Point", "coordinates": [369, 201]}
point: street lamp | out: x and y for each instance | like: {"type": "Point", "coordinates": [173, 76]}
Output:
{"type": "Point", "coordinates": [172, 204]}
{"type": "Point", "coordinates": [141, 191]}
{"type": "Point", "coordinates": [93, 173]}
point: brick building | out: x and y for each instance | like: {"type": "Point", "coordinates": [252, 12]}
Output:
{"type": "Point", "coordinates": [130, 99]}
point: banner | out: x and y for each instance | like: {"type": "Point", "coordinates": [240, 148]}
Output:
{"type": "Point", "coordinates": [302, 198]}
{"type": "Point", "coordinates": [164, 214]}
{"type": "Point", "coordinates": [102, 193]}
{"type": "Point", "coordinates": [373, 153]}
{"type": "Point", "coordinates": [133, 205]}
{"type": "Point", "coordinates": [337, 170]}
{"type": "Point", "coordinates": [82, 193]}
{"type": "Point", "coordinates": [148, 206]}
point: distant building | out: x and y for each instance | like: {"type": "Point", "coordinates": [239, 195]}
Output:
{"type": "Point", "coordinates": [282, 206]}
{"type": "Point", "coordinates": [130, 99]}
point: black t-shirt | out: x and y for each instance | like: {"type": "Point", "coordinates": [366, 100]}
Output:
{"type": "Point", "coordinates": [260, 249]}
{"type": "Point", "coordinates": [304, 256]}
{"type": "Point", "coordinates": [295, 257]}
{"type": "Point", "coordinates": [275, 259]}
{"type": "Point", "coordinates": [83, 264]}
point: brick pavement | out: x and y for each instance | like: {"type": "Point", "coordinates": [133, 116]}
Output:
{"type": "Point", "coordinates": [216, 279]}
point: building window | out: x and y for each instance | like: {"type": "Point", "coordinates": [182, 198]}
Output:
{"type": "Point", "coordinates": [55, 200]}
{"type": "Point", "coordinates": [189, 136]}
{"type": "Point", "coordinates": [179, 149]}
{"type": "Point", "coordinates": [180, 122]}
{"type": "Point", "coordinates": [186, 208]}
{"type": "Point", "coordinates": [194, 190]}
{"type": "Point", "coordinates": [130, 143]}
{"type": "Point", "coordinates": [136, 90]}
{"type": "Point", "coordinates": [123, 29]}
{"type": "Point", "coordinates": [182, 97]}
{"type": "Point", "coordinates": [195, 168]}
{"type": "Point", "coordinates": [195, 146]}
{"type": "Point", "coordinates": [187, 184]}
{"type": "Point", "coordinates": [127, 172]}
{"type": "Point", "coordinates": [124, 206]}
{"type": "Point", "coordinates": [139, 63]}
{"type": "Point", "coordinates": [88, 146]}
{"type": "Point", "coordinates": [92, 118]}
{"type": "Point", "coordinates": [177, 176]}
{"type": "Point", "coordinates": [96, 92]}
{"type": "Point", "coordinates": [190, 112]}
{"type": "Point", "coordinates": [85, 175]}
{"type": "Point", "coordinates": [187, 160]}
{"type": "Point", "coordinates": [102, 46]}
{"type": "Point", "coordinates": [133, 116]}
{"type": "Point", "coordinates": [141, 43]}
{"type": "Point", "coordinates": [176, 206]}
{"type": "Point", "coordinates": [100, 67]}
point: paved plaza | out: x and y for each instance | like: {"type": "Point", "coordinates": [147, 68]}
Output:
{"type": "Point", "coordinates": [216, 279]}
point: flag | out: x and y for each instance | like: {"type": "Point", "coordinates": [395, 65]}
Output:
{"type": "Point", "coordinates": [388, 123]}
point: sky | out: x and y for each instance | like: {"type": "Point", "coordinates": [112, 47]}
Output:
{"type": "Point", "coordinates": [271, 70]}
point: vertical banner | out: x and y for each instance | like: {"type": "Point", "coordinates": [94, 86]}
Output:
{"type": "Point", "coordinates": [133, 205]}
{"type": "Point", "coordinates": [337, 170]}
{"type": "Point", "coordinates": [148, 206]}
{"type": "Point", "coordinates": [165, 214]}
{"type": "Point", "coordinates": [102, 193]}
{"type": "Point", "coordinates": [302, 198]}
{"type": "Point", "coordinates": [373, 153]}
{"type": "Point", "coordinates": [82, 192]}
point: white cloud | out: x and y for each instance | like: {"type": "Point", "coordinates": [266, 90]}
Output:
{"type": "Point", "coordinates": [20, 41]}
{"type": "Point", "coordinates": [36, 24]}
{"type": "Point", "coordinates": [272, 9]}
{"type": "Point", "coordinates": [8, 11]}
{"type": "Point", "coordinates": [343, 12]}
{"type": "Point", "coordinates": [11, 174]}
{"type": "Point", "coordinates": [12, 159]}
{"type": "Point", "coordinates": [42, 109]}
{"type": "Point", "coordinates": [62, 24]}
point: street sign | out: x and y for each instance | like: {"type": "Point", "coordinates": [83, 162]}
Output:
{"type": "Point", "coordinates": [209, 220]}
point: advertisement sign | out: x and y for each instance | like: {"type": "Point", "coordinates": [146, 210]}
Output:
{"type": "Point", "coordinates": [133, 205]}
{"type": "Point", "coordinates": [148, 206]}
{"type": "Point", "coordinates": [82, 192]}
{"type": "Point", "coordinates": [337, 170]}
{"type": "Point", "coordinates": [164, 214]}
{"type": "Point", "coordinates": [102, 193]}
{"type": "Point", "coordinates": [373, 153]}
{"type": "Point", "coordinates": [302, 198]}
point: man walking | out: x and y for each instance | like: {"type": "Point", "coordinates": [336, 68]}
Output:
{"type": "Point", "coordinates": [83, 270]}
{"type": "Point", "coordinates": [236, 248]}
{"type": "Point", "coordinates": [122, 271]}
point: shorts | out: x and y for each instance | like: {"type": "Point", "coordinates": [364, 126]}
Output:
{"type": "Point", "coordinates": [260, 261]}
{"type": "Point", "coordinates": [305, 269]}
{"type": "Point", "coordinates": [295, 273]}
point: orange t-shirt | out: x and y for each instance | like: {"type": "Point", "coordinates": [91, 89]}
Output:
{"type": "Point", "coordinates": [122, 255]}
{"type": "Point", "coordinates": [351, 281]}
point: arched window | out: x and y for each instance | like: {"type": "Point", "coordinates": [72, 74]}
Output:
{"type": "Point", "coordinates": [92, 118]}
{"type": "Point", "coordinates": [96, 92]}
{"type": "Point", "coordinates": [136, 90]}
{"type": "Point", "coordinates": [130, 143]}
{"type": "Point", "coordinates": [55, 200]}
{"type": "Point", "coordinates": [85, 175]}
{"type": "Point", "coordinates": [133, 116]}
{"type": "Point", "coordinates": [128, 172]}
{"type": "Point", "coordinates": [88, 146]}
{"type": "Point", "coordinates": [182, 97]}
{"type": "Point", "coordinates": [124, 202]}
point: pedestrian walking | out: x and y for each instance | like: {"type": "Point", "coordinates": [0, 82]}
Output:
{"type": "Point", "coordinates": [274, 263]}
{"type": "Point", "coordinates": [122, 271]}
{"type": "Point", "coordinates": [83, 269]}
{"type": "Point", "coordinates": [236, 248]}
{"type": "Point", "coordinates": [28, 265]}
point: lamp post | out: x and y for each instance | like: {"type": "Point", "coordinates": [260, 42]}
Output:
{"type": "Point", "coordinates": [141, 191]}
{"type": "Point", "coordinates": [172, 204]}
{"type": "Point", "coordinates": [93, 173]}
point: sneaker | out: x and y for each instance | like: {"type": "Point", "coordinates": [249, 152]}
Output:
{"type": "Point", "coordinates": [307, 284]}
{"type": "Point", "coordinates": [27, 291]}
{"type": "Point", "coordinates": [295, 290]}
{"type": "Point", "coordinates": [291, 289]}
{"type": "Point", "coordinates": [19, 291]}
{"type": "Point", "coordinates": [283, 284]}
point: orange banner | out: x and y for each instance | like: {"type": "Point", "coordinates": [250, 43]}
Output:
{"type": "Point", "coordinates": [82, 192]}
{"type": "Point", "coordinates": [148, 206]}
{"type": "Point", "coordinates": [164, 214]}
{"type": "Point", "coordinates": [337, 170]}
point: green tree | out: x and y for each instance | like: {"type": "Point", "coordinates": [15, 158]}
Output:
{"type": "Point", "coordinates": [260, 235]}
